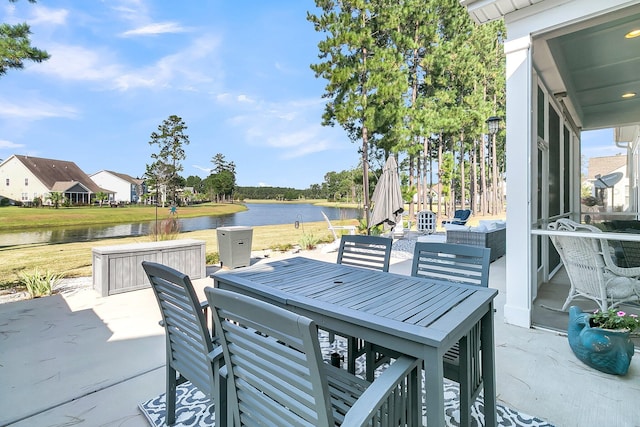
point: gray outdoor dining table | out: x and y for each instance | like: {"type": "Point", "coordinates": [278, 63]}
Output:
{"type": "Point", "coordinates": [415, 316]}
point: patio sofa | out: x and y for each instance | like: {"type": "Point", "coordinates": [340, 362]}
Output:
{"type": "Point", "coordinates": [488, 234]}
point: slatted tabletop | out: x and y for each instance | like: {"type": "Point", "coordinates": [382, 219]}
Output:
{"type": "Point", "coordinates": [415, 316]}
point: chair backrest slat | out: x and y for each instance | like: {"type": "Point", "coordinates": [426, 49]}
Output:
{"type": "Point", "coordinates": [454, 262]}
{"type": "Point", "coordinates": [273, 361]}
{"type": "Point", "coordinates": [372, 252]}
{"type": "Point", "coordinates": [187, 335]}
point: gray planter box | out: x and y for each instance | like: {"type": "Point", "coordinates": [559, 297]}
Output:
{"type": "Point", "coordinates": [118, 268]}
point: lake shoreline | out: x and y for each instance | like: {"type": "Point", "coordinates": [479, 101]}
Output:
{"type": "Point", "coordinates": [75, 259]}
{"type": "Point", "coordinates": [86, 224]}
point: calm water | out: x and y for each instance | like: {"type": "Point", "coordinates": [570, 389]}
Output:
{"type": "Point", "coordinates": [257, 214]}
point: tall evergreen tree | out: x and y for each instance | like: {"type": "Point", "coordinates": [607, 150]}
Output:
{"type": "Point", "coordinates": [163, 172]}
{"type": "Point", "coordinates": [361, 70]}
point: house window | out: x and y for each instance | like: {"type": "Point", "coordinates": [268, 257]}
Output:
{"type": "Point", "coordinates": [26, 182]}
{"type": "Point", "coordinates": [7, 182]}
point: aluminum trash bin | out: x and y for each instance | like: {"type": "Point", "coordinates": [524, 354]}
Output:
{"type": "Point", "coordinates": [234, 246]}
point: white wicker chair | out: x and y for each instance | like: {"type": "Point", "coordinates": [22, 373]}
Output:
{"type": "Point", "coordinates": [591, 269]}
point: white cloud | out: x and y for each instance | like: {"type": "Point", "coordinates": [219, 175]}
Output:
{"type": "Point", "coordinates": [45, 15]}
{"type": "Point", "coordinates": [35, 110]}
{"type": "Point", "coordinates": [70, 62]}
{"type": "Point", "coordinates": [298, 144]}
{"type": "Point", "coordinates": [187, 69]}
{"type": "Point", "coordinates": [283, 68]}
{"type": "Point", "coordinates": [156, 28]}
{"type": "Point", "coordinates": [245, 99]}
{"type": "Point", "coordinates": [288, 140]}
{"type": "Point", "coordinates": [131, 10]}
{"type": "Point", "coordinates": [191, 66]}
{"type": "Point", "coordinates": [291, 128]}
{"type": "Point", "coordinates": [264, 184]}
{"type": "Point", "coordinates": [8, 144]}
{"type": "Point", "coordinates": [203, 169]}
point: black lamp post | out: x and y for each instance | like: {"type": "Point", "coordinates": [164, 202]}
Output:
{"type": "Point", "coordinates": [493, 123]}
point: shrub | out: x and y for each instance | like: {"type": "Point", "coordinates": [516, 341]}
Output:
{"type": "Point", "coordinates": [281, 247]}
{"type": "Point", "coordinates": [308, 241]}
{"type": "Point", "coordinates": [39, 284]}
{"type": "Point", "coordinates": [376, 230]}
{"type": "Point", "coordinates": [212, 258]}
{"type": "Point", "coordinates": [167, 229]}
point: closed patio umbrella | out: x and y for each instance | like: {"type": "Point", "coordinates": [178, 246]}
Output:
{"type": "Point", "coordinates": [387, 196]}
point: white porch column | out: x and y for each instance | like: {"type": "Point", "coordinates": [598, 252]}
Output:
{"type": "Point", "coordinates": [519, 145]}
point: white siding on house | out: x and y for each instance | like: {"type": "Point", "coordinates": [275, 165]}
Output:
{"type": "Point", "coordinates": [18, 183]}
{"type": "Point", "coordinates": [120, 187]}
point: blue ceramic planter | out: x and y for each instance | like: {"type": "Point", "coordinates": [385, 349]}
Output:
{"type": "Point", "coordinates": [606, 350]}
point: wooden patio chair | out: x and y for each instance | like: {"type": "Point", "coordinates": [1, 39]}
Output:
{"type": "Point", "coordinates": [276, 375]}
{"type": "Point", "coordinates": [592, 272]}
{"type": "Point", "coordinates": [462, 363]}
{"type": "Point", "coordinates": [371, 252]}
{"type": "Point", "coordinates": [192, 354]}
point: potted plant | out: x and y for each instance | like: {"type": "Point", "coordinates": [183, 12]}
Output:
{"type": "Point", "coordinates": [602, 339]}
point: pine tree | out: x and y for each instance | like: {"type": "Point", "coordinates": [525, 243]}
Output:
{"type": "Point", "coordinates": [163, 173]}
{"type": "Point", "coordinates": [15, 46]}
{"type": "Point", "coordinates": [362, 73]}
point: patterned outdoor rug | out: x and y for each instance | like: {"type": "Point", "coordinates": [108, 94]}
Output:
{"type": "Point", "coordinates": [193, 408]}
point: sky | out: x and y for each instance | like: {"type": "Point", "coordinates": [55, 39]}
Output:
{"type": "Point", "coordinates": [236, 72]}
{"type": "Point", "coordinates": [599, 143]}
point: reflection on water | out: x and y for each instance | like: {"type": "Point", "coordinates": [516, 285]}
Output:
{"type": "Point", "coordinates": [256, 215]}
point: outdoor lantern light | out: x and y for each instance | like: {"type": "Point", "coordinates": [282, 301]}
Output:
{"type": "Point", "coordinates": [494, 124]}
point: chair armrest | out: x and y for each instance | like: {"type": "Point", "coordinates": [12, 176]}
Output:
{"type": "Point", "coordinates": [405, 369]}
{"type": "Point", "coordinates": [633, 272]}
{"type": "Point", "coordinates": [217, 354]}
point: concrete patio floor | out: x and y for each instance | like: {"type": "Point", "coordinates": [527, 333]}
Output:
{"type": "Point", "coordinates": [81, 359]}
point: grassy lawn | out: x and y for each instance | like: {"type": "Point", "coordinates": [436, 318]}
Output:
{"type": "Point", "coordinates": [317, 202]}
{"type": "Point", "coordinates": [74, 259]}
{"type": "Point", "coordinates": [285, 202]}
{"type": "Point", "coordinates": [15, 218]}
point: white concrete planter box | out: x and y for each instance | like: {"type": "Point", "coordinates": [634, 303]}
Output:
{"type": "Point", "coordinates": [118, 268]}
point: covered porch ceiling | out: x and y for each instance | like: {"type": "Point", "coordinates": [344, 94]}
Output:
{"type": "Point", "coordinates": [588, 65]}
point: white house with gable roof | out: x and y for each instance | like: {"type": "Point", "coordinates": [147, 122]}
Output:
{"type": "Point", "coordinates": [124, 187]}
